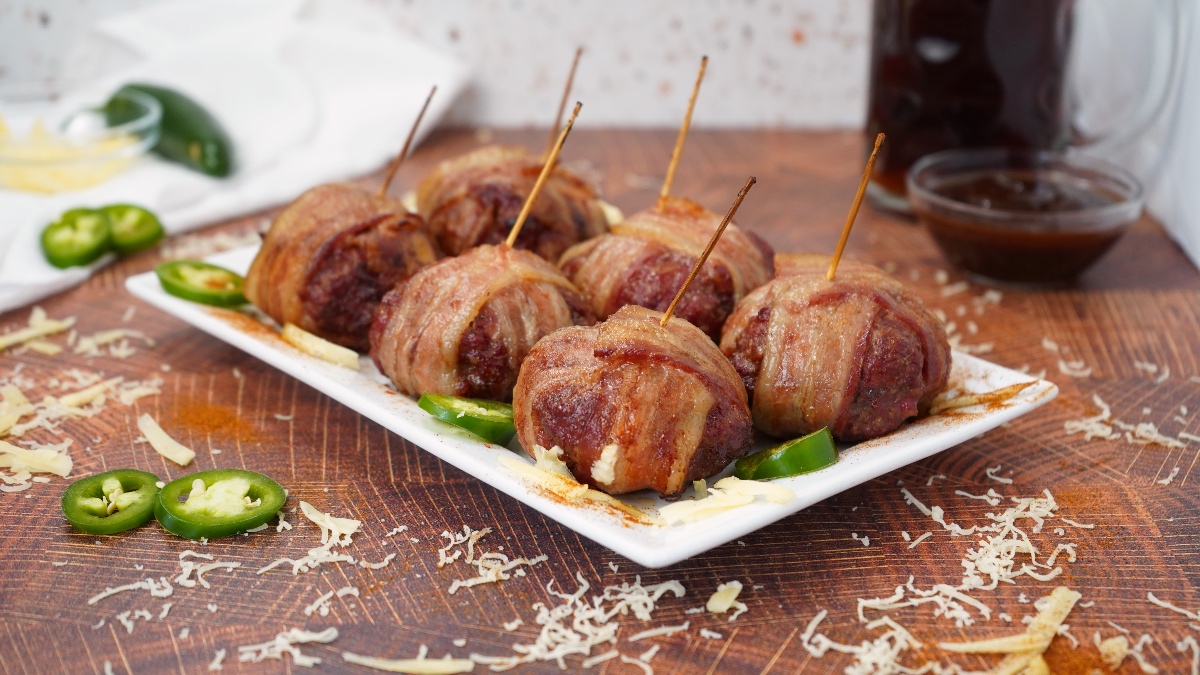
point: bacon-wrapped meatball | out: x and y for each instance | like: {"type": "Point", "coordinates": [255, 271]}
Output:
{"type": "Point", "coordinates": [475, 199]}
{"type": "Point", "coordinates": [859, 354]}
{"type": "Point", "coordinates": [463, 326]}
{"type": "Point", "coordinates": [330, 257]}
{"type": "Point", "coordinates": [645, 260]}
{"type": "Point", "coordinates": [633, 404]}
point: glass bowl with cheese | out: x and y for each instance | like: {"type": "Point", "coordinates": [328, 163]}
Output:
{"type": "Point", "coordinates": [79, 150]}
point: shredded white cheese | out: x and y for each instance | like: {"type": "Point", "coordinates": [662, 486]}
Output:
{"type": "Point", "coordinates": [726, 494]}
{"type": "Point", "coordinates": [661, 631]}
{"type": "Point", "coordinates": [46, 459]}
{"type": "Point", "coordinates": [188, 567]}
{"type": "Point", "coordinates": [285, 643]}
{"type": "Point", "coordinates": [158, 589]}
{"type": "Point", "coordinates": [334, 532]}
{"type": "Point", "coordinates": [492, 567]}
{"type": "Point", "coordinates": [576, 626]}
{"type": "Point", "coordinates": [39, 326]}
{"type": "Point", "coordinates": [645, 667]}
{"type": "Point", "coordinates": [1170, 477]}
{"type": "Point", "coordinates": [920, 539]}
{"type": "Point", "coordinates": [319, 347]}
{"type": "Point", "coordinates": [604, 469]}
{"type": "Point", "coordinates": [217, 660]}
{"type": "Point", "coordinates": [724, 597]}
{"type": "Point", "coordinates": [164, 444]}
{"type": "Point", "coordinates": [991, 473]}
{"type": "Point", "coordinates": [417, 666]}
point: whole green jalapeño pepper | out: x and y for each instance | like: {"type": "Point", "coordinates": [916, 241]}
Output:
{"type": "Point", "coordinates": [111, 502]}
{"type": "Point", "coordinates": [490, 420]}
{"type": "Point", "coordinates": [803, 455]}
{"type": "Point", "coordinates": [190, 134]}
{"type": "Point", "coordinates": [218, 503]}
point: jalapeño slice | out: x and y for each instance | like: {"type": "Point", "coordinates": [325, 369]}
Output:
{"type": "Point", "coordinates": [490, 420]}
{"type": "Point", "coordinates": [78, 237]}
{"type": "Point", "coordinates": [110, 502]}
{"type": "Point", "coordinates": [199, 281]}
{"type": "Point", "coordinates": [133, 227]}
{"type": "Point", "coordinates": [218, 503]}
{"type": "Point", "coordinates": [812, 452]}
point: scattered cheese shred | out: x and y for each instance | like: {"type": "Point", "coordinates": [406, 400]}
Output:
{"type": "Point", "coordinates": [162, 443]}
{"type": "Point", "coordinates": [724, 597]}
{"type": "Point", "coordinates": [599, 658]}
{"type": "Point", "coordinates": [492, 567]}
{"type": "Point", "coordinates": [45, 459]}
{"type": "Point", "coordinates": [319, 347]}
{"type": "Point", "coordinates": [991, 473]}
{"type": "Point", "coordinates": [576, 626]}
{"type": "Point", "coordinates": [645, 667]}
{"type": "Point", "coordinates": [417, 666]}
{"type": "Point", "coordinates": [334, 532]}
{"type": "Point", "coordinates": [1023, 649]}
{"type": "Point", "coordinates": [217, 660]}
{"type": "Point", "coordinates": [285, 643]}
{"type": "Point", "coordinates": [920, 539]}
{"type": "Point", "coordinates": [44, 348]}
{"type": "Point", "coordinates": [39, 326]}
{"type": "Point", "coordinates": [158, 589]}
{"type": "Point", "coordinates": [1174, 608]}
{"type": "Point", "coordinates": [551, 474]}
{"type": "Point", "coordinates": [1170, 477]}
{"type": "Point", "coordinates": [661, 631]}
{"type": "Point", "coordinates": [726, 494]}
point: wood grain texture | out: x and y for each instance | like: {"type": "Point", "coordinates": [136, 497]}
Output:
{"type": "Point", "coordinates": [1141, 303]}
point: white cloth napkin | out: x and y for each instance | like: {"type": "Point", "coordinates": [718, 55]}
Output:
{"type": "Point", "coordinates": [305, 102]}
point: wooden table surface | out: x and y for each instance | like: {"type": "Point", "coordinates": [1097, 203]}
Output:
{"type": "Point", "coordinates": [1139, 304]}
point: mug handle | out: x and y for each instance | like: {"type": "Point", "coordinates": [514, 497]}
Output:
{"type": "Point", "coordinates": [1165, 70]}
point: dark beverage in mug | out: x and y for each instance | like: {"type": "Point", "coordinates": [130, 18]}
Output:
{"type": "Point", "coordinates": [965, 73]}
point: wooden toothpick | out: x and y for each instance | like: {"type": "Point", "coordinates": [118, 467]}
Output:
{"type": "Point", "coordinates": [537, 187]}
{"type": "Point", "coordinates": [562, 104]}
{"type": "Point", "coordinates": [683, 132]}
{"type": "Point", "coordinates": [387, 180]}
{"type": "Point", "coordinates": [707, 250]}
{"type": "Point", "coordinates": [858, 197]}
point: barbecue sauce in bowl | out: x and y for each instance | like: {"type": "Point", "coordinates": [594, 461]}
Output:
{"type": "Point", "coordinates": [1027, 218]}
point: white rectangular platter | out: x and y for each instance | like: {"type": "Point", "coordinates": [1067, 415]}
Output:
{"type": "Point", "coordinates": [368, 392]}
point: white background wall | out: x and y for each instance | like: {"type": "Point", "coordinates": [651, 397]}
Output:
{"type": "Point", "coordinates": [797, 63]}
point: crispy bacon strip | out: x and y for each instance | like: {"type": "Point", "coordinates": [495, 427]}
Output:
{"type": "Point", "coordinates": [646, 258]}
{"type": "Point", "coordinates": [474, 199]}
{"type": "Point", "coordinates": [665, 397]}
{"type": "Point", "coordinates": [463, 326]}
{"type": "Point", "coordinates": [331, 255]}
{"type": "Point", "coordinates": [859, 354]}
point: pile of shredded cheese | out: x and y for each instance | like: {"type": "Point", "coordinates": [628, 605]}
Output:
{"type": "Point", "coordinates": [576, 626]}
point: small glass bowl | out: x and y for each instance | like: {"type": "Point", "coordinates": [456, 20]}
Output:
{"type": "Point", "coordinates": [82, 150]}
{"type": "Point", "coordinates": [1023, 217]}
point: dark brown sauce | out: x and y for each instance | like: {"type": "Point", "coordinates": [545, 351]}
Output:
{"type": "Point", "coordinates": [1025, 192]}
{"type": "Point", "coordinates": [1020, 253]}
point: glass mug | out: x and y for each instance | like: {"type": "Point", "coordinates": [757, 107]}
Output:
{"type": "Point", "coordinates": [998, 73]}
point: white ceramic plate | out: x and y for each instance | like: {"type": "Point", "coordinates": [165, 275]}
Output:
{"type": "Point", "coordinates": [368, 392]}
